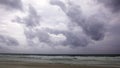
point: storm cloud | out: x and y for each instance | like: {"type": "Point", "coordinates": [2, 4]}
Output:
{"type": "Point", "coordinates": [72, 39]}
{"type": "Point", "coordinates": [93, 28]}
{"type": "Point", "coordinates": [12, 4]}
{"type": "Point", "coordinates": [33, 18]}
{"type": "Point", "coordinates": [114, 5]}
{"type": "Point", "coordinates": [9, 41]}
{"type": "Point", "coordinates": [75, 40]}
{"type": "Point", "coordinates": [60, 26]}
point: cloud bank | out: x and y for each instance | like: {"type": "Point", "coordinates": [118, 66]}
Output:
{"type": "Point", "coordinates": [11, 4]}
{"type": "Point", "coordinates": [72, 26]}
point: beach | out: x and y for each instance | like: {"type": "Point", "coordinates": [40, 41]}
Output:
{"type": "Point", "coordinates": [38, 61]}
{"type": "Point", "coordinates": [47, 65]}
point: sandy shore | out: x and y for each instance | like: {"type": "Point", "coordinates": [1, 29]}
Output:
{"type": "Point", "coordinates": [46, 65]}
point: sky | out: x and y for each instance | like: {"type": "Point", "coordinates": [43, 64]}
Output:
{"type": "Point", "coordinates": [60, 26]}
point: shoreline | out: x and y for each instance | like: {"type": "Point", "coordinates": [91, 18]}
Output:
{"type": "Point", "coordinates": [50, 65]}
{"type": "Point", "coordinates": [96, 55]}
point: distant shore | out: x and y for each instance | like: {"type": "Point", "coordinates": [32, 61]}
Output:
{"type": "Point", "coordinates": [96, 55]}
{"type": "Point", "coordinates": [47, 65]}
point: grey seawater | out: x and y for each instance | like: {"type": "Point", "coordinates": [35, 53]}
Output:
{"type": "Point", "coordinates": [85, 60]}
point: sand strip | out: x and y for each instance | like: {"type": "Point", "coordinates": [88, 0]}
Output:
{"type": "Point", "coordinates": [47, 65]}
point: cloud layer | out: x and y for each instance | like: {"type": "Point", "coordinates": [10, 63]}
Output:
{"type": "Point", "coordinates": [114, 5]}
{"type": "Point", "coordinates": [11, 4]}
{"type": "Point", "coordinates": [73, 26]}
{"type": "Point", "coordinates": [8, 41]}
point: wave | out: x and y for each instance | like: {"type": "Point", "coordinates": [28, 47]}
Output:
{"type": "Point", "coordinates": [62, 59]}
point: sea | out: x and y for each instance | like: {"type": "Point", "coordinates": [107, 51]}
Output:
{"type": "Point", "coordinates": [63, 59]}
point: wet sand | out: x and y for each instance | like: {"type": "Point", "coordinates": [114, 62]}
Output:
{"type": "Point", "coordinates": [46, 65]}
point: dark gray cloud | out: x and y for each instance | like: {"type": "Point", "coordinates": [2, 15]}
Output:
{"type": "Point", "coordinates": [75, 40]}
{"type": "Point", "coordinates": [82, 33]}
{"type": "Point", "coordinates": [72, 39]}
{"type": "Point", "coordinates": [111, 44]}
{"type": "Point", "coordinates": [32, 19]}
{"type": "Point", "coordinates": [30, 33]}
{"type": "Point", "coordinates": [57, 2]}
{"type": "Point", "coordinates": [115, 29]}
{"type": "Point", "coordinates": [9, 41]}
{"type": "Point", "coordinates": [93, 28]}
{"type": "Point", "coordinates": [75, 15]}
{"type": "Point", "coordinates": [112, 4]}
{"type": "Point", "coordinates": [43, 36]}
{"type": "Point", "coordinates": [12, 4]}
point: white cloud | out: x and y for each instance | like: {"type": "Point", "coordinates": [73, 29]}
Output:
{"type": "Point", "coordinates": [57, 38]}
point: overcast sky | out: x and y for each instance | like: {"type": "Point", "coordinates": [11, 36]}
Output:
{"type": "Point", "coordinates": [60, 26]}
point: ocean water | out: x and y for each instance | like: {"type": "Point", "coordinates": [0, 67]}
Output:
{"type": "Point", "coordinates": [86, 60]}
